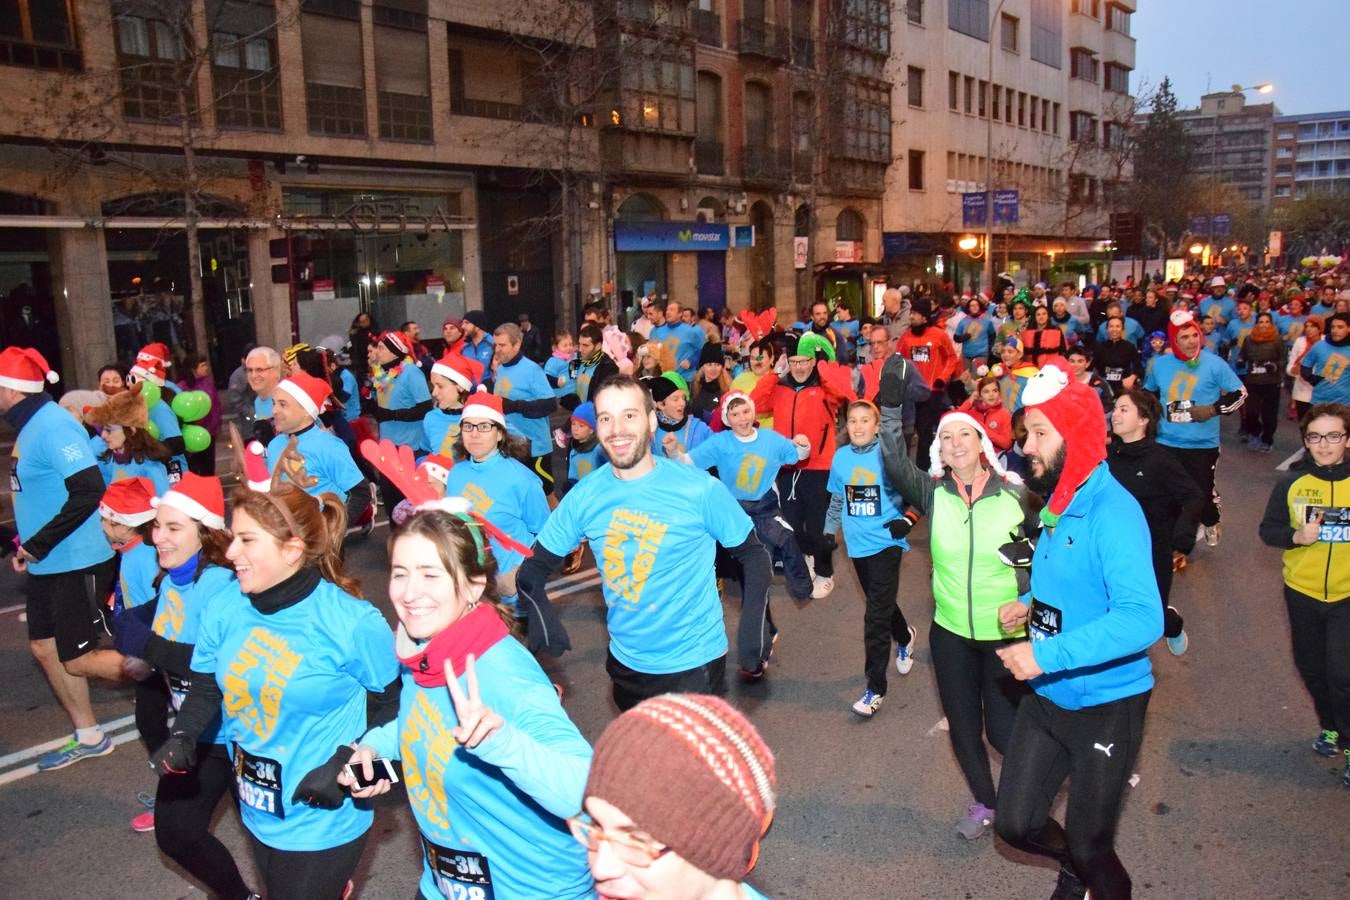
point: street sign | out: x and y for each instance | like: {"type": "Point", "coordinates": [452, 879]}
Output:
{"type": "Point", "coordinates": [1223, 224]}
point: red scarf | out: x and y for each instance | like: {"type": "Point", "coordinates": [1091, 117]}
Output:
{"type": "Point", "coordinates": [476, 632]}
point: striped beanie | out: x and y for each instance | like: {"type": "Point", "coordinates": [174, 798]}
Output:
{"type": "Point", "coordinates": [693, 773]}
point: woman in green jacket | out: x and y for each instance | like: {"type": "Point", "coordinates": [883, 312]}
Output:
{"type": "Point", "coordinates": [974, 508]}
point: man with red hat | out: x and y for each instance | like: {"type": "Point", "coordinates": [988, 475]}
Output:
{"type": "Point", "coordinates": [325, 465]}
{"type": "Point", "coordinates": [1195, 387]}
{"type": "Point", "coordinates": [56, 489]}
{"type": "Point", "coordinates": [1094, 612]}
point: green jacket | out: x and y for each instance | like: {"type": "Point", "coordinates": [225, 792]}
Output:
{"type": "Point", "coordinates": [970, 581]}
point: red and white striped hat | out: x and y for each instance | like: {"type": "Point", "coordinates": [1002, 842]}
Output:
{"type": "Point", "coordinates": [310, 392]}
{"type": "Point", "coordinates": [198, 497]}
{"type": "Point", "coordinates": [24, 369]}
{"type": "Point", "coordinates": [482, 405]}
{"type": "Point", "coordinates": [130, 501]}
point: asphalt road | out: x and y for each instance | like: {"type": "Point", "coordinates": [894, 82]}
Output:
{"type": "Point", "coordinates": [1231, 801]}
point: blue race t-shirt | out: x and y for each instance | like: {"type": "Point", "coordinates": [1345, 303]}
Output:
{"type": "Point", "coordinates": [505, 493]}
{"type": "Point", "coordinates": [112, 470]}
{"type": "Point", "coordinates": [262, 407]}
{"type": "Point", "coordinates": [559, 372]}
{"type": "Point", "coordinates": [178, 616]}
{"type": "Point", "coordinates": [1181, 387]}
{"type": "Point", "coordinates": [581, 463]}
{"type": "Point", "coordinates": [295, 684]}
{"type": "Point", "coordinates": [747, 467]}
{"type": "Point", "coordinates": [405, 390]}
{"type": "Point", "coordinates": [868, 502]}
{"type": "Point", "coordinates": [51, 447]}
{"type": "Point", "coordinates": [169, 427]}
{"type": "Point", "coordinates": [691, 434]}
{"type": "Point", "coordinates": [523, 379]}
{"type": "Point", "coordinates": [326, 458]}
{"type": "Point", "coordinates": [654, 539]}
{"type": "Point", "coordinates": [1330, 362]}
{"type": "Point", "coordinates": [1235, 334]}
{"type": "Point", "coordinates": [688, 345]}
{"type": "Point", "coordinates": [1221, 310]}
{"type": "Point", "coordinates": [351, 408]}
{"type": "Point", "coordinates": [441, 430]}
{"type": "Point", "coordinates": [136, 573]}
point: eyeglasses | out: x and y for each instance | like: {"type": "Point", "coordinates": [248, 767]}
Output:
{"type": "Point", "coordinates": [480, 427]}
{"type": "Point", "coordinates": [635, 850]}
{"type": "Point", "coordinates": [253, 371]}
{"type": "Point", "coordinates": [1332, 437]}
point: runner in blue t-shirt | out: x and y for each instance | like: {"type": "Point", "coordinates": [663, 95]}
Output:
{"type": "Point", "coordinates": [676, 430]}
{"type": "Point", "coordinates": [320, 462]}
{"type": "Point", "coordinates": [401, 401]}
{"type": "Point", "coordinates": [1324, 365]}
{"type": "Point", "coordinates": [558, 367]}
{"type": "Point", "coordinates": [654, 525]}
{"type": "Point", "coordinates": [527, 399]}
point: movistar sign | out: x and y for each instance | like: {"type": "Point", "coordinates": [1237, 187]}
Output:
{"type": "Point", "coordinates": [666, 237]}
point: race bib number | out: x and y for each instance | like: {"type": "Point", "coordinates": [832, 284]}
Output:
{"type": "Point", "coordinates": [459, 874]}
{"type": "Point", "coordinates": [175, 471]}
{"type": "Point", "coordinates": [178, 689]}
{"type": "Point", "coordinates": [1258, 369]}
{"type": "Point", "coordinates": [863, 499]}
{"type": "Point", "coordinates": [1179, 412]}
{"type": "Point", "coordinates": [921, 354]}
{"type": "Point", "coordinates": [1115, 373]}
{"type": "Point", "coordinates": [1335, 523]}
{"type": "Point", "coordinates": [14, 486]}
{"type": "Point", "coordinates": [259, 782]}
{"type": "Point", "coordinates": [1045, 620]}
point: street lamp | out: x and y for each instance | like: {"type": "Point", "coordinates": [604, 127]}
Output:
{"type": "Point", "coordinates": [968, 244]}
{"type": "Point", "coordinates": [989, 156]}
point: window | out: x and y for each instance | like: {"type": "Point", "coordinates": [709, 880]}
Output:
{"type": "Point", "coordinates": [1087, 7]}
{"type": "Point", "coordinates": [1082, 127]}
{"type": "Point", "coordinates": [1083, 64]}
{"type": "Point", "coordinates": [1045, 115]}
{"type": "Point", "coordinates": [984, 99]}
{"type": "Point", "coordinates": [803, 135]}
{"type": "Point", "coordinates": [1055, 120]}
{"type": "Point", "coordinates": [1284, 171]}
{"type": "Point", "coordinates": [867, 25]}
{"type": "Point", "coordinates": [38, 34]}
{"type": "Point", "coordinates": [148, 53]}
{"type": "Point", "coordinates": [969, 95]}
{"type": "Point", "coordinates": [335, 92]}
{"type": "Point", "coordinates": [1008, 94]}
{"type": "Point", "coordinates": [1021, 110]}
{"type": "Point", "coordinates": [1117, 78]}
{"type": "Point", "coordinates": [1114, 135]}
{"type": "Point", "coordinates": [969, 17]}
{"type": "Point", "coordinates": [916, 170]}
{"type": "Point", "coordinates": [1118, 18]}
{"type": "Point", "coordinates": [995, 95]}
{"type": "Point", "coordinates": [402, 78]}
{"type": "Point", "coordinates": [658, 88]}
{"type": "Point", "coordinates": [953, 91]}
{"type": "Point", "coordinates": [1282, 192]}
{"type": "Point", "coordinates": [914, 11]}
{"type": "Point", "coordinates": [244, 65]}
{"type": "Point", "coordinates": [1284, 153]}
{"type": "Point", "coordinates": [849, 226]}
{"type": "Point", "coordinates": [1008, 29]}
{"type": "Point", "coordinates": [865, 130]}
{"type": "Point", "coordinates": [915, 86]}
{"type": "Point", "coordinates": [1047, 31]}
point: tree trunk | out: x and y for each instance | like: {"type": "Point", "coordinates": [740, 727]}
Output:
{"type": "Point", "coordinates": [196, 310]}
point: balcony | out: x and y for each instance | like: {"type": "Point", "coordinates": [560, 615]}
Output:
{"type": "Point", "coordinates": [708, 158]}
{"type": "Point", "coordinates": [655, 156]}
{"type": "Point", "coordinates": [803, 52]}
{"type": "Point", "coordinates": [766, 165]}
{"type": "Point", "coordinates": [707, 27]}
{"type": "Point", "coordinates": [763, 39]}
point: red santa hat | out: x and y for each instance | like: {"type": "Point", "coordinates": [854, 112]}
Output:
{"type": "Point", "coordinates": [24, 369]}
{"type": "Point", "coordinates": [726, 404]}
{"type": "Point", "coordinates": [310, 392]}
{"type": "Point", "coordinates": [960, 417]}
{"type": "Point", "coordinates": [1075, 411]}
{"type": "Point", "coordinates": [437, 467]}
{"type": "Point", "coordinates": [198, 497]}
{"type": "Point", "coordinates": [458, 368]}
{"type": "Point", "coordinates": [482, 405]}
{"type": "Point", "coordinates": [256, 475]}
{"type": "Point", "coordinates": [152, 362]}
{"type": "Point", "coordinates": [1179, 321]}
{"type": "Point", "coordinates": [130, 501]}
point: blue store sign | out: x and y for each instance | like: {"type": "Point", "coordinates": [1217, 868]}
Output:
{"type": "Point", "coordinates": [662, 237]}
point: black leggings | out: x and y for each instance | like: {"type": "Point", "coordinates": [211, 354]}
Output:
{"type": "Point", "coordinates": [1094, 748]}
{"type": "Point", "coordinates": [1261, 412]}
{"type": "Point", "coordinates": [306, 874]}
{"type": "Point", "coordinates": [152, 711]}
{"type": "Point", "coordinates": [184, 805]}
{"type": "Point", "coordinates": [1201, 464]}
{"type": "Point", "coordinates": [631, 687]}
{"type": "Point", "coordinates": [1321, 637]}
{"type": "Point", "coordinates": [883, 622]}
{"type": "Point", "coordinates": [979, 698]}
{"type": "Point", "coordinates": [805, 501]}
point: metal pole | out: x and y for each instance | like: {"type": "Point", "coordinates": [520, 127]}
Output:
{"type": "Point", "coordinates": [989, 160]}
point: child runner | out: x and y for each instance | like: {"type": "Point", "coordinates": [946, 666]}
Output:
{"type": "Point", "coordinates": [583, 458]}
{"type": "Point", "coordinates": [558, 366]}
{"type": "Point", "coordinates": [676, 430]}
{"type": "Point", "coordinates": [870, 511]}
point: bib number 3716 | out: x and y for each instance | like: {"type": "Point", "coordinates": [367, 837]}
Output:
{"type": "Point", "coordinates": [863, 499]}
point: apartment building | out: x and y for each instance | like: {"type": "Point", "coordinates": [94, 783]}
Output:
{"type": "Point", "coordinates": [1311, 156]}
{"type": "Point", "coordinates": [1233, 142]}
{"type": "Point", "coordinates": [1040, 95]}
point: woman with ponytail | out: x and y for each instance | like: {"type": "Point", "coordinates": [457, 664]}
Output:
{"type": "Point", "coordinates": [293, 661]}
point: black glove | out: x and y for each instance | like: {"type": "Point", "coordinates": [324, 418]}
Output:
{"type": "Point", "coordinates": [511, 406]}
{"type": "Point", "coordinates": [320, 787]}
{"type": "Point", "coordinates": [378, 413]}
{"type": "Point", "coordinates": [1017, 552]}
{"type": "Point", "coordinates": [8, 536]}
{"type": "Point", "coordinates": [131, 633]}
{"type": "Point", "coordinates": [900, 528]}
{"type": "Point", "coordinates": [1229, 402]}
{"type": "Point", "coordinates": [544, 630]}
{"type": "Point", "coordinates": [175, 756]}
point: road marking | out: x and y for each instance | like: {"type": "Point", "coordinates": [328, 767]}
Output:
{"type": "Point", "coordinates": [21, 755]}
{"type": "Point", "coordinates": [18, 607]}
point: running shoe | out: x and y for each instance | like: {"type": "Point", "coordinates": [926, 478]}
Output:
{"type": "Point", "coordinates": [868, 703]}
{"type": "Point", "coordinates": [1327, 743]}
{"type": "Point", "coordinates": [904, 656]}
{"type": "Point", "coordinates": [822, 587]}
{"type": "Point", "coordinates": [1212, 534]}
{"type": "Point", "coordinates": [1345, 776]}
{"type": "Point", "coordinates": [1253, 443]}
{"type": "Point", "coordinates": [72, 752]}
{"type": "Point", "coordinates": [977, 821]}
{"type": "Point", "coordinates": [1265, 448]}
{"type": "Point", "coordinates": [143, 823]}
{"type": "Point", "coordinates": [1177, 645]}
{"type": "Point", "coordinates": [1069, 887]}
{"type": "Point", "coordinates": [750, 676]}
{"type": "Point", "coordinates": [146, 799]}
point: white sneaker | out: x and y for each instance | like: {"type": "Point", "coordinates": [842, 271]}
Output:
{"type": "Point", "coordinates": [868, 703]}
{"type": "Point", "coordinates": [1177, 645]}
{"type": "Point", "coordinates": [904, 655]}
{"type": "Point", "coordinates": [1212, 534]}
{"type": "Point", "coordinates": [822, 587]}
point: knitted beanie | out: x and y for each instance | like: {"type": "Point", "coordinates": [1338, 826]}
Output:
{"type": "Point", "coordinates": [1075, 411]}
{"type": "Point", "coordinates": [693, 773]}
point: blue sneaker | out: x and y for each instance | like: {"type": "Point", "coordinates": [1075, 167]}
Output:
{"type": "Point", "coordinates": [868, 703]}
{"type": "Point", "coordinates": [72, 752]}
{"type": "Point", "coordinates": [1345, 776]}
{"type": "Point", "coordinates": [1327, 743]}
{"type": "Point", "coordinates": [904, 655]}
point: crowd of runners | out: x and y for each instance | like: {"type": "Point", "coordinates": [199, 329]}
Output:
{"type": "Point", "coordinates": [1058, 444]}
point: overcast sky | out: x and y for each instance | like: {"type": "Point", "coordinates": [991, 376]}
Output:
{"type": "Point", "coordinates": [1209, 45]}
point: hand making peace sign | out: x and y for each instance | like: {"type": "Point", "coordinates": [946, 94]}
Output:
{"type": "Point", "coordinates": [477, 722]}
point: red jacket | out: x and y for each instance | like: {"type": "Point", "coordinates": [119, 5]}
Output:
{"type": "Point", "coordinates": [996, 420]}
{"type": "Point", "coordinates": [811, 410]}
{"type": "Point", "coordinates": [932, 353]}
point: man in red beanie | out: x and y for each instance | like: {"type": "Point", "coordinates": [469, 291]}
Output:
{"type": "Point", "coordinates": [1093, 614]}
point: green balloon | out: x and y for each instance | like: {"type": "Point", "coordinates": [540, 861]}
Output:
{"type": "Point", "coordinates": [152, 429]}
{"type": "Point", "coordinates": [196, 438]}
{"type": "Point", "coordinates": [191, 405]}
{"type": "Point", "coordinates": [150, 393]}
